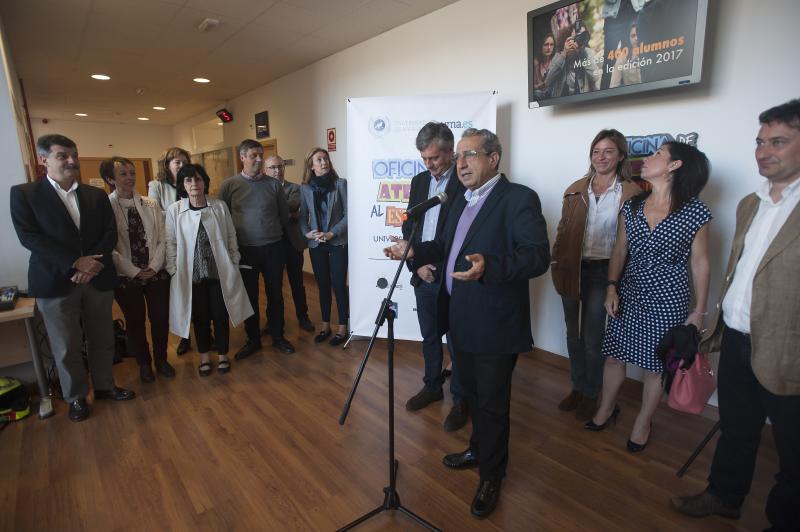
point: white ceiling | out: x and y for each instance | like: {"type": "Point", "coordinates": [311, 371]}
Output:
{"type": "Point", "coordinates": [155, 45]}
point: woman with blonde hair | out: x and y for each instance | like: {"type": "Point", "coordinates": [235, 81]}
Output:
{"type": "Point", "coordinates": [323, 220]}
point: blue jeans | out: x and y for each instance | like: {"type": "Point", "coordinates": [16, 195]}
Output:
{"type": "Point", "coordinates": [432, 351]}
{"type": "Point", "coordinates": [586, 325]}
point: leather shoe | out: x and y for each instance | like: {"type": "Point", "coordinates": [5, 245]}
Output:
{"type": "Point", "coordinates": [306, 324]}
{"type": "Point", "coordinates": [702, 505]}
{"type": "Point", "coordinates": [115, 394]}
{"type": "Point", "coordinates": [283, 345]}
{"type": "Point", "coordinates": [485, 499]}
{"type": "Point", "coordinates": [146, 374]}
{"type": "Point", "coordinates": [337, 339]}
{"type": "Point", "coordinates": [78, 409]}
{"type": "Point", "coordinates": [321, 336]}
{"type": "Point", "coordinates": [183, 346]}
{"type": "Point", "coordinates": [463, 460]}
{"type": "Point", "coordinates": [425, 397]}
{"type": "Point", "coordinates": [571, 401]}
{"type": "Point", "coordinates": [457, 417]}
{"type": "Point", "coordinates": [250, 347]}
{"type": "Point", "coordinates": [165, 369]}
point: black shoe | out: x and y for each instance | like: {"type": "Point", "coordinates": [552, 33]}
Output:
{"type": "Point", "coordinates": [337, 339]}
{"type": "Point", "coordinates": [457, 417]}
{"type": "Point", "coordinates": [594, 427]}
{"type": "Point", "coordinates": [78, 409]}
{"type": "Point", "coordinates": [321, 336]}
{"type": "Point", "coordinates": [702, 505]}
{"type": "Point", "coordinates": [463, 460]}
{"type": "Point", "coordinates": [146, 374]}
{"type": "Point", "coordinates": [485, 499]}
{"type": "Point", "coordinates": [283, 345]}
{"type": "Point", "coordinates": [115, 394]}
{"type": "Point", "coordinates": [165, 369]}
{"type": "Point", "coordinates": [634, 447]}
{"type": "Point", "coordinates": [224, 366]}
{"type": "Point", "coordinates": [247, 349]}
{"type": "Point", "coordinates": [425, 397]}
{"type": "Point", "coordinates": [205, 369]}
{"type": "Point", "coordinates": [306, 324]}
{"type": "Point", "coordinates": [183, 346]}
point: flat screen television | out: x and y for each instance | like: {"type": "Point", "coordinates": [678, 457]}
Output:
{"type": "Point", "coordinates": [598, 48]}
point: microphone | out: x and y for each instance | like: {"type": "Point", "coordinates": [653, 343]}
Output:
{"type": "Point", "coordinates": [421, 208]}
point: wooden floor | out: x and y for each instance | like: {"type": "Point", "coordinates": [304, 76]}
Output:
{"type": "Point", "coordinates": [260, 449]}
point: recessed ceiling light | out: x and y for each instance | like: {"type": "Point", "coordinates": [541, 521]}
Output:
{"type": "Point", "coordinates": [219, 123]}
{"type": "Point", "coordinates": [101, 77]}
{"type": "Point", "coordinates": [142, 118]}
{"type": "Point", "coordinates": [81, 114]}
{"type": "Point", "coordinates": [159, 108]}
{"type": "Point", "coordinates": [201, 80]}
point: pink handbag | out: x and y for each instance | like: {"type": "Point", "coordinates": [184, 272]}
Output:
{"type": "Point", "coordinates": [692, 387]}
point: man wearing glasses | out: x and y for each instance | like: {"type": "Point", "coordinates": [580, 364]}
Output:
{"type": "Point", "coordinates": [494, 241]}
{"type": "Point", "coordinates": [294, 242]}
{"type": "Point", "coordinates": [435, 144]}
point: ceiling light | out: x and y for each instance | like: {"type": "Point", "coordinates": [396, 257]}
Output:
{"type": "Point", "coordinates": [219, 123]}
{"type": "Point", "coordinates": [101, 77]}
{"type": "Point", "coordinates": [81, 114]}
{"type": "Point", "coordinates": [159, 108]}
{"type": "Point", "coordinates": [142, 118]}
{"type": "Point", "coordinates": [201, 80]}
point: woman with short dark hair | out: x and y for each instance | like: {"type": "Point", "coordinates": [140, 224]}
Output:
{"type": "Point", "coordinates": [662, 238]}
{"type": "Point", "coordinates": [203, 259]}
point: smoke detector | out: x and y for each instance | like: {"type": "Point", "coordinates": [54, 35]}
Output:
{"type": "Point", "coordinates": [207, 24]}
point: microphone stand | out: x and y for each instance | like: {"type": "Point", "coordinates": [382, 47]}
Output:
{"type": "Point", "coordinates": [387, 313]}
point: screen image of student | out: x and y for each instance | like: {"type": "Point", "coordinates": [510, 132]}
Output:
{"type": "Point", "coordinates": [573, 69]}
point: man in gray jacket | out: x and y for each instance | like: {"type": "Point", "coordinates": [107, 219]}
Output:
{"type": "Point", "coordinates": [294, 242]}
{"type": "Point", "coordinates": [260, 213]}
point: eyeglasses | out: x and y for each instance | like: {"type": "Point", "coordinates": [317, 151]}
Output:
{"type": "Point", "coordinates": [278, 167]}
{"type": "Point", "coordinates": [468, 155]}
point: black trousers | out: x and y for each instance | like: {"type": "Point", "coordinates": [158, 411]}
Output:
{"type": "Point", "coordinates": [294, 271]}
{"type": "Point", "coordinates": [744, 405]}
{"type": "Point", "coordinates": [330, 270]}
{"type": "Point", "coordinates": [486, 379]}
{"type": "Point", "coordinates": [139, 302]}
{"type": "Point", "coordinates": [207, 306]}
{"type": "Point", "coordinates": [267, 261]}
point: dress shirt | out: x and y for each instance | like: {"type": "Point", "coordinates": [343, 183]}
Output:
{"type": "Point", "coordinates": [70, 200]}
{"type": "Point", "coordinates": [601, 222]}
{"type": "Point", "coordinates": [473, 196]}
{"type": "Point", "coordinates": [437, 185]}
{"type": "Point", "coordinates": [765, 225]}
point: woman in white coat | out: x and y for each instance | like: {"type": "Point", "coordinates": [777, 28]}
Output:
{"type": "Point", "coordinates": [203, 259]}
{"type": "Point", "coordinates": [139, 259]}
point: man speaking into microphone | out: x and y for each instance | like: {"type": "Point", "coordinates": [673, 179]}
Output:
{"type": "Point", "coordinates": [435, 145]}
{"type": "Point", "coordinates": [493, 242]}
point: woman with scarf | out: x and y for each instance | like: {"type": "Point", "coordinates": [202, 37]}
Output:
{"type": "Point", "coordinates": [323, 220]}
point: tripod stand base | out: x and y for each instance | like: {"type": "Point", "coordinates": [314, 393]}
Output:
{"type": "Point", "coordinates": [391, 501]}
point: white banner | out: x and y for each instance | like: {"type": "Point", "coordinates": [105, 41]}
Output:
{"type": "Point", "coordinates": [381, 161]}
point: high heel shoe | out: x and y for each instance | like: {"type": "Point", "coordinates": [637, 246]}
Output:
{"type": "Point", "coordinates": [594, 427]}
{"type": "Point", "coordinates": [634, 447]}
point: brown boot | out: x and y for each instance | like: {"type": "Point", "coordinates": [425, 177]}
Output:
{"type": "Point", "coordinates": [586, 408]}
{"type": "Point", "coordinates": [571, 401]}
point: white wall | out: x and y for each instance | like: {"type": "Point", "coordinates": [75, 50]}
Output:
{"type": "Point", "coordinates": [105, 139]}
{"type": "Point", "coordinates": [473, 45]}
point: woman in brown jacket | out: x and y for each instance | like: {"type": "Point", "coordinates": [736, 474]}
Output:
{"type": "Point", "coordinates": [584, 239]}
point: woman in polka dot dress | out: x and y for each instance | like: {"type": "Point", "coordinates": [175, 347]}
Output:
{"type": "Point", "coordinates": [663, 237]}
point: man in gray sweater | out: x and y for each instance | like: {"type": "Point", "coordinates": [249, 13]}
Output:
{"type": "Point", "coordinates": [260, 214]}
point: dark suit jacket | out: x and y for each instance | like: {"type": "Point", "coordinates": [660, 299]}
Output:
{"type": "Point", "coordinates": [492, 314]}
{"type": "Point", "coordinates": [420, 185]}
{"type": "Point", "coordinates": [44, 227]}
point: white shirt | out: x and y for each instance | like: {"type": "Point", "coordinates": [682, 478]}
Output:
{"type": "Point", "coordinates": [472, 196]}
{"type": "Point", "coordinates": [765, 225]}
{"type": "Point", "coordinates": [431, 220]}
{"type": "Point", "coordinates": [70, 200]}
{"type": "Point", "coordinates": [601, 222]}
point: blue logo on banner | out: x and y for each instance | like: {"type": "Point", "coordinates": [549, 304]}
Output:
{"type": "Point", "coordinates": [379, 126]}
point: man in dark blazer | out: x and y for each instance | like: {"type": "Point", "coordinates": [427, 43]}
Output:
{"type": "Point", "coordinates": [70, 230]}
{"type": "Point", "coordinates": [435, 145]}
{"type": "Point", "coordinates": [294, 242]}
{"type": "Point", "coordinates": [494, 241]}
